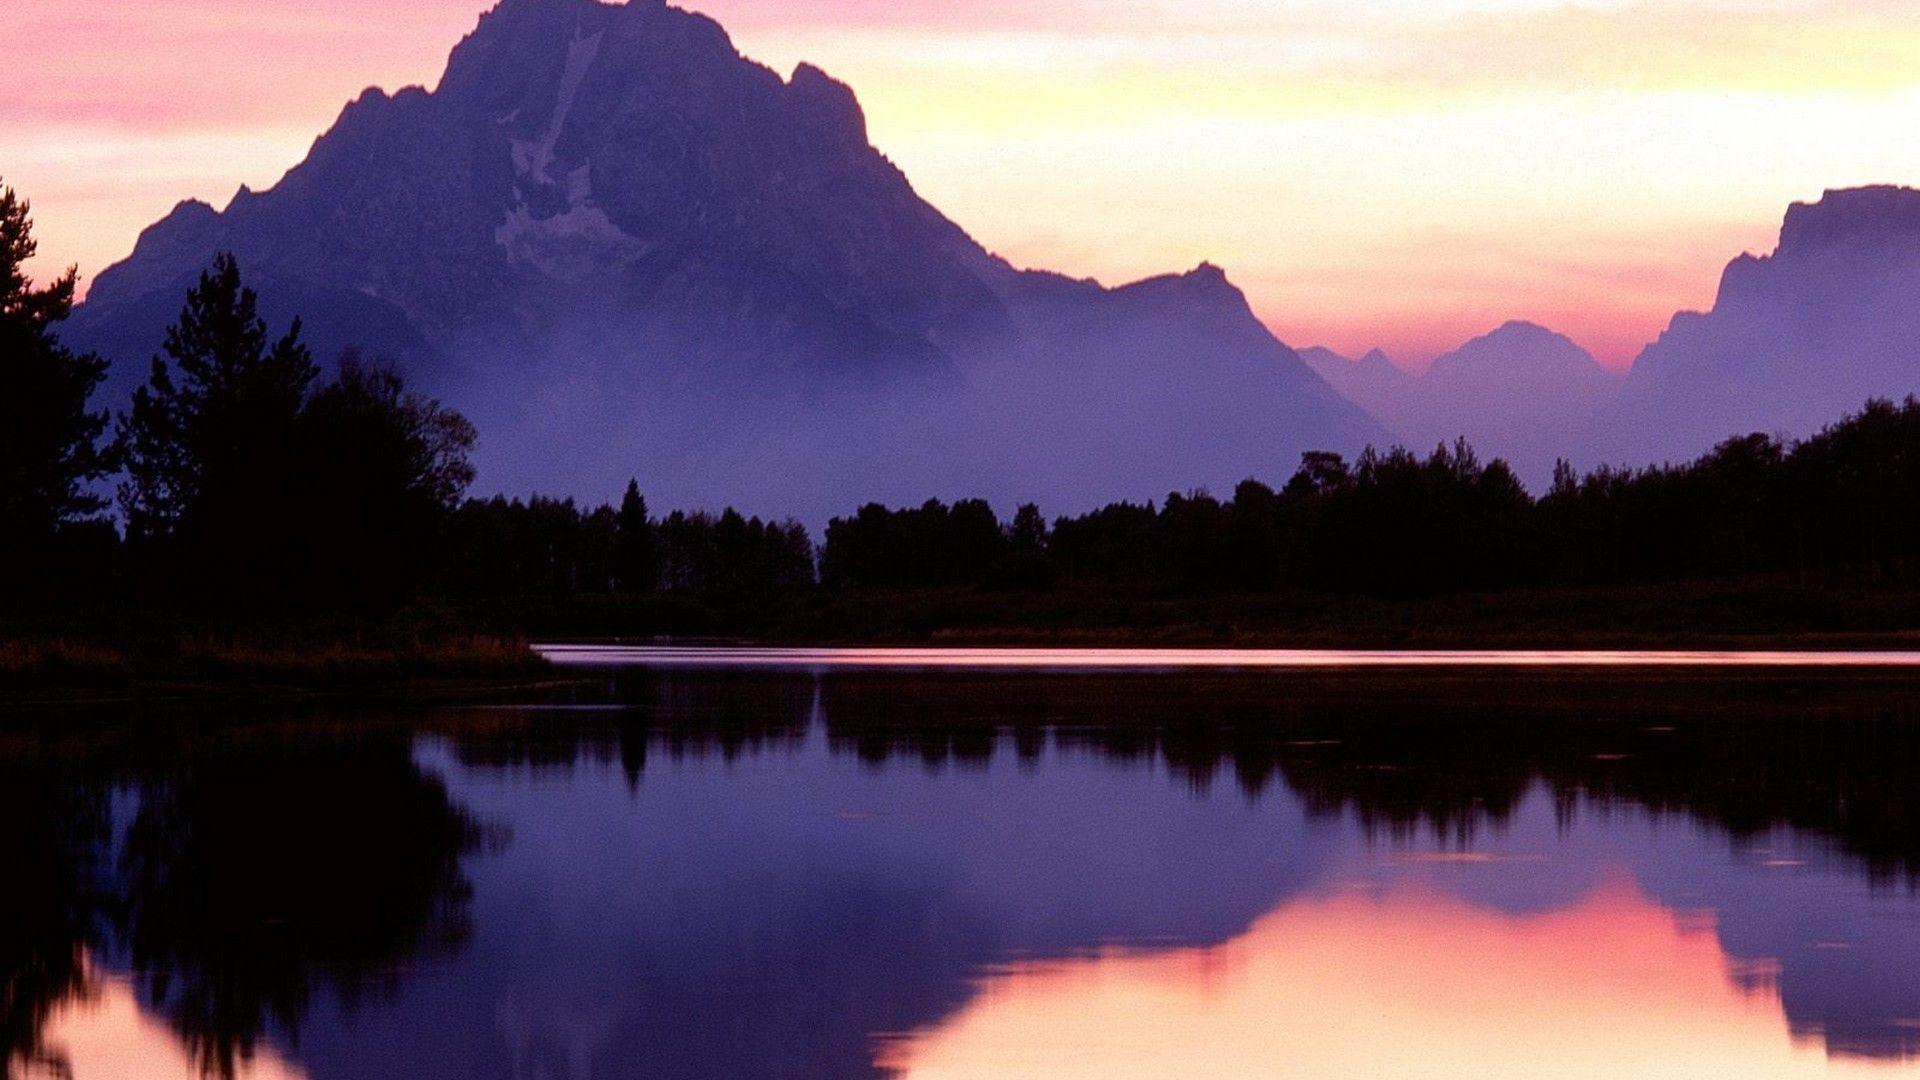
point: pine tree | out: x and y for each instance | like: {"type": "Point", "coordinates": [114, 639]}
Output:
{"type": "Point", "coordinates": [208, 437]}
{"type": "Point", "coordinates": [637, 556]}
{"type": "Point", "coordinates": [49, 441]}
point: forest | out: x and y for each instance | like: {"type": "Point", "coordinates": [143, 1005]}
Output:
{"type": "Point", "coordinates": [242, 485]}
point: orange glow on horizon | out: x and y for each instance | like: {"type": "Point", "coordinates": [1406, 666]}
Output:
{"type": "Point", "coordinates": [1409, 984]}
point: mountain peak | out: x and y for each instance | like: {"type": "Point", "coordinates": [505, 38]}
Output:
{"type": "Point", "coordinates": [1210, 275]}
{"type": "Point", "coordinates": [1794, 338]}
{"type": "Point", "coordinates": [829, 103]}
{"type": "Point", "coordinates": [606, 213]}
{"type": "Point", "coordinates": [1878, 216]}
{"type": "Point", "coordinates": [523, 47]}
{"type": "Point", "coordinates": [1517, 351]}
{"type": "Point", "coordinates": [1523, 330]}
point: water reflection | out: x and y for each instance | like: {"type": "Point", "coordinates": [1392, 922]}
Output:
{"type": "Point", "coordinates": [837, 874]}
{"type": "Point", "coordinates": [734, 658]}
{"type": "Point", "coordinates": [49, 848]}
{"type": "Point", "coordinates": [224, 881]}
{"type": "Point", "coordinates": [1409, 983]}
{"type": "Point", "coordinates": [106, 1035]}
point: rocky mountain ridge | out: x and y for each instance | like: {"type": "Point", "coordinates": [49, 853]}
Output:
{"type": "Point", "coordinates": [627, 249]}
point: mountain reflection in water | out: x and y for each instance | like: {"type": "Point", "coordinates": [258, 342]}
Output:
{"type": "Point", "coordinates": [930, 875]}
{"type": "Point", "coordinates": [1412, 983]}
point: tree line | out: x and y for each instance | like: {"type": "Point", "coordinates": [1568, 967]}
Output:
{"type": "Point", "coordinates": [240, 478]}
{"type": "Point", "coordinates": [241, 481]}
{"type": "Point", "coordinates": [1843, 503]}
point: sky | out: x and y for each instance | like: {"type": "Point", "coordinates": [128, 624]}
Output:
{"type": "Point", "coordinates": [1399, 173]}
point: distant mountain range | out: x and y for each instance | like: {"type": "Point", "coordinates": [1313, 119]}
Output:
{"type": "Point", "coordinates": [1795, 339]}
{"type": "Point", "coordinates": [1521, 392]}
{"type": "Point", "coordinates": [624, 249]}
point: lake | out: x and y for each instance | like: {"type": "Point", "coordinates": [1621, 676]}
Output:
{"type": "Point", "coordinates": [887, 865]}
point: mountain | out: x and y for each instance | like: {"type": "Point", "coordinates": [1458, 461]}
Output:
{"type": "Point", "coordinates": [1373, 382]}
{"type": "Point", "coordinates": [1795, 339]}
{"type": "Point", "coordinates": [624, 249]}
{"type": "Point", "coordinates": [1520, 392]}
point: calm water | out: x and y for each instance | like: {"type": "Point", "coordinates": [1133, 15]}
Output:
{"type": "Point", "coordinates": [1108, 659]}
{"type": "Point", "coordinates": [816, 871]}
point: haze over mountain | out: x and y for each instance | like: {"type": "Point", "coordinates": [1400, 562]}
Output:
{"type": "Point", "coordinates": [625, 249]}
{"type": "Point", "coordinates": [1794, 340]}
{"type": "Point", "coordinates": [1521, 392]}
{"type": "Point", "coordinates": [1373, 382]}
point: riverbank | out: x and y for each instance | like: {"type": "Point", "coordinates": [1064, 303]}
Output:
{"type": "Point", "coordinates": [435, 647]}
{"type": "Point", "coordinates": [1752, 615]}
{"type": "Point", "coordinates": [255, 665]}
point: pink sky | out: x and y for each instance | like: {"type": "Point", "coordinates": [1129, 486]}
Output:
{"type": "Point", "coordinates": [1406, 173]}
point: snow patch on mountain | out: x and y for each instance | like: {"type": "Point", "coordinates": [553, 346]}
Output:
{"type": "Point", "coordinates": [531, 160]}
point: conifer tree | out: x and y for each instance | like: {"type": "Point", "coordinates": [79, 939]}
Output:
{"type": "Point", "coordinates": [638, 550]}
{"type": "Point", "coordinates": [49, 441]}
{"type": "Point", "coordinates": [208, 437]}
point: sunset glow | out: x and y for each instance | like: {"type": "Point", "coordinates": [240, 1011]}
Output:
{"type": "Point", "coordinates": [1407, 984]}
{"type": "Point", "coordinates": [1396, 173]}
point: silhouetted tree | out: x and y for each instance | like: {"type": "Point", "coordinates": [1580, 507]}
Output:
{"type": "Point", "coordinates": [927, 546]}
{"type": "Point", "coordinates": [1026, 565]}
{"type": "Point", "coordinates": [211, 439]}
{"type": "Point", "coordinates": [49, 440]}
{"type": "Point", "coordinates": [377, 470]}
{"type": "Point", "coordinates": [637, 552]}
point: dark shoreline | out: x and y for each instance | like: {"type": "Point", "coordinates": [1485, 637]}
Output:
{"type": "Point", "coordinates": [76, 669]}
{"type": "Point", "coordinates": [1753, 615]}
{"type": "Point", "coordinates": [436, 649]}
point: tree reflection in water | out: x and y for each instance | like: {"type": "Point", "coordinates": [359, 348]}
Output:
{"type": "Point", "coordinates": [238, 870]}
{"type": "Point", "coordinates": [50, 845]}
{"type": "Point", "coordinates": [251, 873]}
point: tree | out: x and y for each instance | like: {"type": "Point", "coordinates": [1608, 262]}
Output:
{"type": "Point", "coordinates": [49, 442]}
{"type": "Point", "coordinates": [210, 436]}
{"type": "Point", "coordinates": [1026, 560]}
{"type": "Point", "coordinates": [637, 552]}
{"type": "Point", "coordinates": [378, 471]}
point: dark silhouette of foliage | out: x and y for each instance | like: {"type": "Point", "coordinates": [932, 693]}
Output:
{"type": "Point", "coordinates": [1028, 539]}
{"type": "Point", "coordinates": [931, 545]}
{"type": "Point", "coordinates": [236, 883]}
{"type": "Point", "coordinates": [1843, 504]}
{"type": "Point", "coordinates": [49, 914]}
{"type": "Point", "coordinates": [378, 470]}
{"type": "Point", "coordinates": [636, 544]}
{"type": "Point", "coordinates": [212, 429]}
{"type": "Point", "coordinates": [50, 443]}
{"type": "Point", "coordinates": [734, 556]}
{"type": "Point", "coordinates": [252, 880]}
{"type": "Point", "coordinates": [211, 441]}
{"type": "Point", "coordinates": [504, 547]}
{"type": "Point", "coordinates": [250, 482]}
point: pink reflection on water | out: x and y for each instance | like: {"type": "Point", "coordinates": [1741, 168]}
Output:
{"type": "Point", "coordinates": [109, 1035]}
{"type": "Point", "coordinates": [1408, 984]}
{"type": "Point", "coordinates": [752, 657]}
